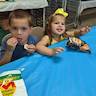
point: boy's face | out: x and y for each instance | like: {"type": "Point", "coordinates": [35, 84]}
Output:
{"type": "Point", "coordinates": [20, 29]}
{"type": "Point", "coordinates": [58, 25]}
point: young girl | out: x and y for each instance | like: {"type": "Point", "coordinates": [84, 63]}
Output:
{"type": "Point", "coordinates": [56, 32]}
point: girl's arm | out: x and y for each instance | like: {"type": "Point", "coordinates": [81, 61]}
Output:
{"type": "Point", "coordinates": [78, 32]}
{"type": "Point", "coordinates": [42, 49]}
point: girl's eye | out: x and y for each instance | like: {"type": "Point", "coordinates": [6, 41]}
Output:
{"type": "Point", "coordinates": [56, 23]}
{"type": "Point", "coordinates": [63, 23]}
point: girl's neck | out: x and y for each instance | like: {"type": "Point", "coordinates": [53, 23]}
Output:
{"type": "Point", "coordinates": [56, 36]}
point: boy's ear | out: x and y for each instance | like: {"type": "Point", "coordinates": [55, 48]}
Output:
{"type": "Point", "coordinates": [9, 29]}
{"type": "Point", "coordinates": [31, 30]}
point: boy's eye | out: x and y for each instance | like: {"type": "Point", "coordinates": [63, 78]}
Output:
{"type": "Point", "coordinates": [21, 28]}
{"type": "Point", "coordinates": [14, 28]}
{"type": "Point", "coordinates": [24, 28]}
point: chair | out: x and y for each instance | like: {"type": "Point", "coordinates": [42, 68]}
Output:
{"type": "Point", "coordinates": [38, 32]}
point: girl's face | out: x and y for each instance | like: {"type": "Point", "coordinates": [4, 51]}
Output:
{"type": "Point", "coordinates": [20, 29]}
{"type": "Point", "coordinates": [58, 25]}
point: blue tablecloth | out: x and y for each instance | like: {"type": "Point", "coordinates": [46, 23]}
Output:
{"type": "Point", "coordinates": [69, 73]}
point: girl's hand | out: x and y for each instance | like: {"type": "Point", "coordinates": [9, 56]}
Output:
{"type": "Point", "coordinates": [57, 50]}
{"type": "Point", "coordinates": [30, 48]}
{"type": "Point", "coordinates": [12, 42]}
{"type": "Point", "coordinates": [84, 30]}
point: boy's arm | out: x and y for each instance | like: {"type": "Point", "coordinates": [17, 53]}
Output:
{"type": "Point", "coordinates": [10, 46]}
{"type": "Point", "coordinates": [6, 58]}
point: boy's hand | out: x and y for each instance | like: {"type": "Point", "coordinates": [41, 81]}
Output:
{"type": "Point", "coordinates": [30, 48]}
{"type": "Point", "coordinates": [57, 50]}
{"type": "Point", "coordinates": [12, 42]}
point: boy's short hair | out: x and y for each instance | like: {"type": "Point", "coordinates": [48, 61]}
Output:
{"type": "Point", "coordinates": [19, 14]}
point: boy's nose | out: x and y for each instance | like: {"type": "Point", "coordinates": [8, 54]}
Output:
{"type": "Point", "coordinates": [19, 32]}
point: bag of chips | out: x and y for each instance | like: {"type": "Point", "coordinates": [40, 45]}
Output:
{"type": "Point", "coordinates": [77, 44]}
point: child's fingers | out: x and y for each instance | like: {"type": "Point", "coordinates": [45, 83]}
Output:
{"type": "Point", "coordinates": [12, 41]}
{"type": "Point", "coordinates": [59, 49]}
{"type": "Point", "coordinates": [25, 46]}
{"type": "Point", "coordinates": [86, 28]}
{"type": "Point", "coordinates": [30, 48]}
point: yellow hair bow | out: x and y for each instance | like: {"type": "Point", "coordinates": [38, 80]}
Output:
{"type": "Point", "coordinates": [61, 11]}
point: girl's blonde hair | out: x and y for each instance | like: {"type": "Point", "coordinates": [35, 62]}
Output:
{"type": "Point", "coordinates": [20, 14]}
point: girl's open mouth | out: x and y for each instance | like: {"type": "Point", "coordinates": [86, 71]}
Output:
{"type": "Point", "coordinates": [59, 30]}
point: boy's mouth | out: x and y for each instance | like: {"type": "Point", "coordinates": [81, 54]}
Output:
{"type": "Point", "coordinates": [19, 39]}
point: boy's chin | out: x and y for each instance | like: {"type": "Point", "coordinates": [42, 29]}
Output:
{"type": "Point", "coordinates": [21, 42]}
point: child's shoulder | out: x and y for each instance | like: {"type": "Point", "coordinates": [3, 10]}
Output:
{"type": "Point", "coordinates": [46, 37]}
{"type": "Point", "coordinates": [6, 37]}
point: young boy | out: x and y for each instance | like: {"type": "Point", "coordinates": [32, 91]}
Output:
{"type": "Point", "coordinates": [19, 42]}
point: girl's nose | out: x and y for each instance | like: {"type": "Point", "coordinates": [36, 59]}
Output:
{"type": "Point", "coordinates": [60, 25]}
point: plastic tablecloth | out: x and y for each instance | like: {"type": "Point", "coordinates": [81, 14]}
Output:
{"type": "Point", "coordinates": [69, 73]}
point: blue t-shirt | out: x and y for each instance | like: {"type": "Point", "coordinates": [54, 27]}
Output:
{"type": "Point", "coordinates": [19, 50]}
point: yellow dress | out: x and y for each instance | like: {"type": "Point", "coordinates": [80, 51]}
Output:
{"type": "Point", "coordinates": [53, 41]}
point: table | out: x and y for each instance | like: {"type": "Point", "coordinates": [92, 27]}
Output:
{"type": "Point", "coordinates": [24, 4]}
{"type": "Point", "coordinates": [69, 73]}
